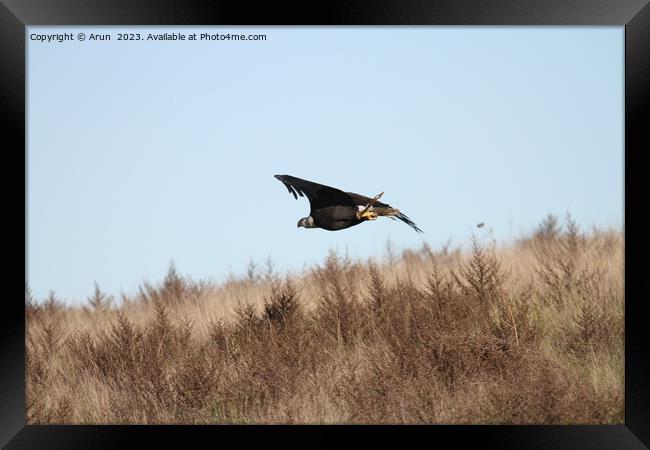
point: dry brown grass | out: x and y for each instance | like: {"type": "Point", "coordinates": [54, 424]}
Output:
{"type": "Point", "coordinates": [529, 333]}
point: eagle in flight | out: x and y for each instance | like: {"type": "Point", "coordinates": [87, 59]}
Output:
{"type": "Point", "coordinates": [333, 209]}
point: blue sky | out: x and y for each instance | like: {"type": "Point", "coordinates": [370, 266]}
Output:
{"type": "Point", "coordinates": [144, 152]}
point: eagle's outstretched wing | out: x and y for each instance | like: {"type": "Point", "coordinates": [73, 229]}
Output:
{"type": "Point", "coordinates": [319, 195]}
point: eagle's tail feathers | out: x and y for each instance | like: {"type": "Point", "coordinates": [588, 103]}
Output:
{"type": "Point", "coordinates": [394, 213]}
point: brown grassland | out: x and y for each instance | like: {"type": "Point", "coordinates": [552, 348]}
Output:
{"type": "Point", "coordinates": [531, 332]}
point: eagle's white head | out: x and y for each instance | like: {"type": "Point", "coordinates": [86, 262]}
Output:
{"type": "Point", "coordinates": [307, 222]}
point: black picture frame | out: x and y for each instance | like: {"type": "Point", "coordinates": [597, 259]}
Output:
{"type": "Point", "coordinates": [634, 15]}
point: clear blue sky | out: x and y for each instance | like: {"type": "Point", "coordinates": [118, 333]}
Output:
{"type": "Point", "coordinates": [144, 152]}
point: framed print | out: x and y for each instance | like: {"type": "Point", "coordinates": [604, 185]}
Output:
{"type": "Point", "coordinates": [450, 260]}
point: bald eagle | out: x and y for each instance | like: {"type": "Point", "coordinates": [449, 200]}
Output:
{"type": "Point", "coordinates": [333, 209]}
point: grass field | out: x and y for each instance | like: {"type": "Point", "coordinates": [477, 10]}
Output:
{"type": "Point", "coordinates": [528, 332]}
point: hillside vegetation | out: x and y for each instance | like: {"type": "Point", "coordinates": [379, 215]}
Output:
{"type": "Point", "coordinates": [531, 332]}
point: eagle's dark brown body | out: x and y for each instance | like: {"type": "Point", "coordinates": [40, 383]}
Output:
{"type": "Point", "coordinates": [335, 218]}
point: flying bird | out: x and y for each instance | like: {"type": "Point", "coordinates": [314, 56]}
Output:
{"type": "Point", "coordinates": [332, 209]}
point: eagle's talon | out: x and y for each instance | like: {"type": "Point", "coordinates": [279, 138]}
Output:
{"type": "Point", "coordinates": [368, 215]}
{"type": "Point", "coordinates": [363, 212]}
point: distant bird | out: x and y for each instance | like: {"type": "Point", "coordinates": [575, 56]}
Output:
{"type": "Point", "coordinates": [333, 209]}
{"type": "Point", "coordinates": [480, 225]}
